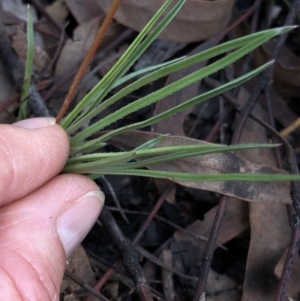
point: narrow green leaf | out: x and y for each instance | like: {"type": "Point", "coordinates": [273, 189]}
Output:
{"type": "Point", "coordinates": [149, 69]}
{"type": "Point", "coordinates": [84, 168]}
{"type": "Point", "coordinates": [171, 152]}
{"type": "Point", "coordinates": [116, 72]}
{"type": "Point", "coordinates": [87, 146]}
{"type": "Point", "coordinates": [171, 88]}
{"type": "Point", "coordinates": [28, 67]}
{"type": "Point", "coordinates": [177, 176]}
{"type": "Point", "coordinates": [207, 54]}
{"type": "Point", "coordinates": [196, 100]}
{"type": "Point", "coordinates": [142, 151]}
{"type": "Point", "coordinates": [151, 143]}
{"type": "Point", "coordinates": [140, 50]}
{"type": "Point", "coordinates": [185, 154]}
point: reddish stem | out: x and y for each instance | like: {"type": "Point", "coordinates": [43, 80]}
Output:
{"type": "Point", "coordinates": [88, 58]}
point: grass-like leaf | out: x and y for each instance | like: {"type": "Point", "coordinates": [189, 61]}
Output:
{"type": "Point", "coordinates": [124, 63]}
{"type": "Point", "coordinates": [147, 154]}
{"type": "Point", "coordinates": [88, 163]}
{"type": "Point", "coordinates": [168, 90]}
{"type": "Point", "coordinates": [177, 176]}
{"type": "Point", "coordinates": [181, 107]}
{"type": "Point", "coordinates": [184, 63]}
{"type": "Point", "coordinates": [28, 67]}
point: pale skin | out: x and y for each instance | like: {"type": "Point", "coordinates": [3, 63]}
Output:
{"type": "Point", "coordinates": [43, 215]}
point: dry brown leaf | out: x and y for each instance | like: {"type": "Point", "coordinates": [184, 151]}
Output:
{"type": "Point", "coordinates": [187, 254]}
{"type": "Point", "coordinates": [167, 276]}
{"type": "Point", "coordinates": [84, 11]}
{"type": "Point", "coordinates": [276, 192]}
{"type": "Point", "coordinates": [293, 285]}
{"type": "Point", "coordinates": [58, 11]}
{"type": "Point", "coordinates": [71, 297]}
{"type": "Point", "coordinates": [72, 55]}
{"type": "Point", "coordinates": [220, 287]}
{"type": "Point", "coordinates": [74, 50]}
{"type": "Point", "coordinates": [197, 20]}
{"type": "Point", "coordinates": [227, 295]}
{"type": "Point", "coordinates": [282, 112]}
{"type": "Point", "coordinates": [286, 73]}
{"type": "Point", "coordinates": [202, 297]}
{"type": "Point", "coordinates": [40, 57]}
{"type": "Point", "coordinates": [18, 9]}
{"type": "Point", "coordinates": [234, 222]}
{"type": "Point", "coordinates": [270, 230]}
{"type": "Point", "coordinates": [79, 265]}
{"type": "Point", "coordinates": [188, 250]}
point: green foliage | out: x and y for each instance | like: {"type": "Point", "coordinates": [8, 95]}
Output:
{"type": "Point", "coordinates": [147, 154]}
{"type": "Point", "coordinates": [28, 68]}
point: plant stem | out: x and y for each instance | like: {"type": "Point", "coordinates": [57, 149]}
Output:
{"type": "Point", "coordinates": [78, 77]}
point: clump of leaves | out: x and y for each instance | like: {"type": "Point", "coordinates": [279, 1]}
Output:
{"type": "Point", "coordinates": [83, 158]}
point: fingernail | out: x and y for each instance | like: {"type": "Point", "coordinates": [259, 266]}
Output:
{"type": "Point", "coordinates": [36, 123]}
{"type": "Point", "coordinates": [76, 221]}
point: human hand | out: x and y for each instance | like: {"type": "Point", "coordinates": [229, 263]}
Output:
{"type": "Point", "coordinates": [43, 216]}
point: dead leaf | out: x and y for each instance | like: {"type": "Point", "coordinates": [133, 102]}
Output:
{"type": "Point", "coordinates": [19, 39]}
{"type": "Point", "coordinates": [268, 192]}
{"type": "Point", "coordinates": [187, 253]}
{"type": "Point", "coordinates": [72, 55]}
{"type": "Point", "coordinates": [40, 57]}
{"type": "Point", "coordinates": [84, 10]}
{"type": "Point", "coordinates": [234, 222]}
{"type": "Point", "coordinates": [18, 9]}
{"type": "Point", "coordinates": [79, 265]}
{"type": "Point", "coordinates": [219, 284]}
{"type": "Point", "coordinates": [227, 295]}
{"type": "Point", "coordinates": [202, 297]}
{"type": "Point", "coordinates": [270, 230]}
{"type": "Point", "coordinates": [282, 112]}
{"type": "Point", "coordinates": [58, 11]}
{"type": "Point", "coordinates": [74, 50]}
{"type": "Point", "coordinates": [293, 286]}
{"type": "Point", "coordinates": [286, 73]}
{"type": "Point", "coordinates": [167, 276]}
{"type": "Point", "coordinates": [196, 21]}
{"type": "Point", "coordinates": [71, 297]}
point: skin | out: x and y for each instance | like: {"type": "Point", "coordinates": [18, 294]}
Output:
{"type": "Point", "coordinates": [33, 201]}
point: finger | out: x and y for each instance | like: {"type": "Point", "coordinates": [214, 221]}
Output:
{"type": "Point", "coordinates": [38, 231]}
{"type": "Point", "coordinates": [31, 153]}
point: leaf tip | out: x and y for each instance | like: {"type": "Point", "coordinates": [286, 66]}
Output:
{"type": "Point", "coordinates": [281, 30]}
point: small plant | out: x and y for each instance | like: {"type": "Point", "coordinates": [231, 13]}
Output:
{"type": "Point", "coordinates": [85, 154]}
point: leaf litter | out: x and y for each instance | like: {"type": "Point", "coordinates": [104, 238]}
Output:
{"type": "Point", "coordinates": [258, 228]}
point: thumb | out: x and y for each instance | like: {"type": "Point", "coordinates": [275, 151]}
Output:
{"type": "Point", "coordinates": [39, 231]}
{"type": "Point", "coordinates": [32, 152]}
